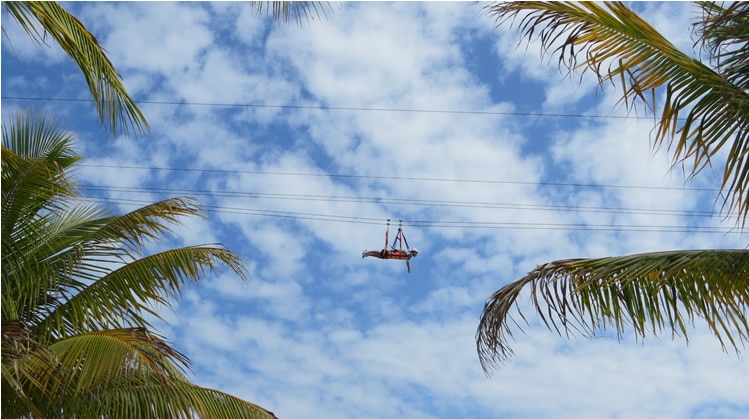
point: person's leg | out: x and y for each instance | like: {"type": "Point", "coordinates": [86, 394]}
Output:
{"type": "Point", "coordinates": [373, 253]}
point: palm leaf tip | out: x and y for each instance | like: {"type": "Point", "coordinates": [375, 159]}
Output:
{"type": "Point", "coordinates": [298, 10]}
{"type": "Point", "coordinates": [494, 333]}
{"type": "Point", "coordinates": [116, 108]}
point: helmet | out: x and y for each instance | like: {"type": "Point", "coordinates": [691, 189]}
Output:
{"type": "Point", "coordinates": [414, 252]}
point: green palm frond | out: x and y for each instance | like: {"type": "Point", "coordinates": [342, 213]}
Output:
{"type": "Point", "coordinates": [93, 359]}
{"type": "Point", "coordinates": [91, 363]}
{"type": "Point", "coordinates": [130, 373]}
{"type": "Point", "coordinates": [136, 289]}
{"type": "Point", "coordinates": [148, 223]}
{"type": "Point", "coordinates": [80, 244]}
{"type": "Point", "coordinates": [83, 243]}
{"type": "Point", "coordinates": [178, 400]}
{"type": "Point", "coordinates": [35, 135]}
{"type": "Point", "coordinates": [39, 273]}
{"type": "Point", "coordinates": [299, 10]}
{"type": "Point", "coordinates": [648, 293]}
{"type": "Point", "coordinates": [35, 168]}
{"type": "Point", "coordinates": [114, 105]}
{"type": "Point", "coordinates": [34, 188]}
{"type": "Point", "coordinates": [703, 111]}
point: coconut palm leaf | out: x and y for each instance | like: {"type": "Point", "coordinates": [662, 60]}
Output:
{"type": "Point", "coordinates": [19, 379]}
{"type": "Point", "coordinates": [93, 359]}
{"type": "Point", "coordinates": [35, 135]}
{"type": "Point", "coordinates": [19, 343]}
{"type": "Point", "coordinates": [41, 153]}
{"type": "Point", "coordinates": [34, 187]}
{"type": "Point", "coordinates": [724, 32]}
{"type": "Point", "coordinates": [83, 243]}
{"type": "Point", "coordinates": [116, 109]}
{"type": "Point", "coordinates": [179, 400]}
{"type": "Point", "coordinates": [702, 110]}
{"type": "Point", "coordinates": [299, 10]}
{"type": "Point", "coordinates": [647, 293]}
{"type": "Point", "coordinates": [126, 373]}
{"type": "Point", "coordinates": [148, 223]}
{"type": "Point", "coordinates": [87, 363]}
{"type": "Point", "coordinates": [136, 290]}
{"type": "Point", "coordinates": [16, 403]}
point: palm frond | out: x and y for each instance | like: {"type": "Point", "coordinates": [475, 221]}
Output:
{"type": "Point", "coordinates": [702, 112]}
{"type": "Point", "coordinates": [16, 402]}
{"type": "Point", "coordinates": [36, 152]}
{"type": "Point", "coordinates": [35, 135]}
{"type": "Point", "coordinates": [130, 373]}
{"type": "Point", "coordinates": [648, 293]}
{"type": "Point", "coordinates": [18, 342]}
{"type": "Point", "coordinates": [724, 32]}
{"type": "Point", "coordinates": [114, 105]}
{"type": "Point", "coordinates": [88, 363]}
{"type": "Point", "coordinates": [299, 10]}
{"type": "Point", "coordinates": [18, 377]}
{"type": "Point", "coordinates": [126, 295]}
{"type": "Point", "coordinates": [148, 223]}
{"type": "Point", "coordinates": [18, 347]}
{"type": "Point", "coordinates": [178, 400]}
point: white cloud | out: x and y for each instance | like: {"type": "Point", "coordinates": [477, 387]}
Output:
{"type": "Point", "coordinates": [317, 331]}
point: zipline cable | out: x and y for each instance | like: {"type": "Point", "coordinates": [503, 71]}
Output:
{"type": "Point", "coordinates": [334, 108]}
{"type": "Point", "coordinates": [445, 224]}
{"type": "Point", "coordinates": [398, 201]}
{"type": "Point", "coordinates": [399, 178]}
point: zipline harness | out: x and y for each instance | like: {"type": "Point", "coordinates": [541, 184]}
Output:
{"type": "Point", "coordinates": [396, 253]}
{"type": "Point", "coordinates": [400, 238]}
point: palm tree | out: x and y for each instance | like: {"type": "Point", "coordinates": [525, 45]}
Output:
{"type": "Point", "coordinates": [705, 109]}
{"type": "Point", "coordinates": [78, 292]}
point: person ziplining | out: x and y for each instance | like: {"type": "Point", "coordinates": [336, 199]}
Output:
{"type": "Point", "coordinates": [393, 252]}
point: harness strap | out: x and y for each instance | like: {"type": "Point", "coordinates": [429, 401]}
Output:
{"type": "Point", "coordinates": [398, 239]}
{"type": "Point", "coordinates": [387, 233]}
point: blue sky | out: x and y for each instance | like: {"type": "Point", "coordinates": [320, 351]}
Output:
{"type": "Point", "coordinates": [301, 141]}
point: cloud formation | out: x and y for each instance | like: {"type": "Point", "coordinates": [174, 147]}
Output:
{"type": "Point", "coordinates": [302, 140]}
